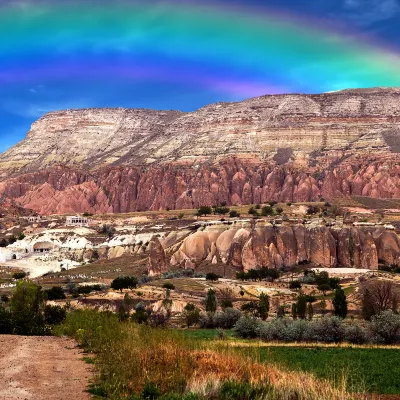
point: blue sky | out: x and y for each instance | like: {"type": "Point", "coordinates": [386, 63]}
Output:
{"type": "Point", "coordinates": [22, 102]}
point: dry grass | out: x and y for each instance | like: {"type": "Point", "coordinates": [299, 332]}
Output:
{"type": "Point", "coordinates": [129, 357]}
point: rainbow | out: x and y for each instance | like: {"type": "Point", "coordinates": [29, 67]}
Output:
{"type": "Point", "coordinates": [236, 52]}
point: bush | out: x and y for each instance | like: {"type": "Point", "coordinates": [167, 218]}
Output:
{"type": "Point", "coordinates": [206, 320]}
{"type": "Point", "coordinates": [168, 285]}
{"type": "Point", "coordinates": [124, 282]}
{"type": "Point", "coordinates": [273, 330]}
{"type": "Point", "coordinates": [54, 315]}
{"type": "Point", "coordinates": [212, 277]}
{"type": "Point", "coordinates": [6, 322]}
{"type": "Point", "coordinates": [234, 214]}
{"type": "Point", "coordinates": [267, 211]}
{"type": "Point", "coordinates": [385, 327]}
{"type": "Point", "coordinates": [204, 210]}
{"type": "Point", "coordinates": [297, 331]}
{"type": "Point", "coordinates": [19, 275]}
{"type": "Point", "coordinates": [295, 285]}
{"type": "Point", "coordinates": [191, 315]}
{"type": "Point", "coordinates": [221, 210]}
{"type": "Point", "coordinates": [328, 330]}
{"type": "Point", "coordinates": [227, 319]}
{"type": "Point", "coordinates": [356, 334]}
{"type": "Point", "coordinates": [247, 327]}
{"type": "Point", "coordinates": [55, 293]}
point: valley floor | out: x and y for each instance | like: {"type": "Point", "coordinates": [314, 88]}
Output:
{"type": "Point", "coordinates": [45, 368]}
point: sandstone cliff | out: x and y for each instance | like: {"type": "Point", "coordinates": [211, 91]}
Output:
{"type": "Point", "coordinates": [281, 147]}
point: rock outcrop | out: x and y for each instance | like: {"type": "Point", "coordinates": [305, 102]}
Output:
{"type": "Point", "coordinates": [281, 147]}
{"type": "Point", "coordinates": [263, 245]}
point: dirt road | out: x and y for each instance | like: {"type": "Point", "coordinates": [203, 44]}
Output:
{"type": "Point", "coordinates": [45, 368]}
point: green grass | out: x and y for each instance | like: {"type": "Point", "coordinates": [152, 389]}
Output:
{"type": "Point", "coordinates": [373, 370]}
{"type": "Point", "coordinates": [205, 334]}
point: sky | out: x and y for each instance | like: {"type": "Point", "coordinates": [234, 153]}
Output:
{"type": "Point", "coordinates": [184, 54]}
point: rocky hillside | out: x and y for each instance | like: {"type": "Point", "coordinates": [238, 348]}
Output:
{"type": "Point", "coordinates": [280, 147]}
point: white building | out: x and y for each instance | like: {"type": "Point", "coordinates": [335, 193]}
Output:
{"type": "Point", "coordinates": [76, 221]}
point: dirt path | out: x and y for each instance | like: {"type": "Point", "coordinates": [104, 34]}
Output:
{"type": "Point", "coordinates": [45, 368]}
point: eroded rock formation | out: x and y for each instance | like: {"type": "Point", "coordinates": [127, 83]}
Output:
{"type": "Point", "coordinates": [281, 147]}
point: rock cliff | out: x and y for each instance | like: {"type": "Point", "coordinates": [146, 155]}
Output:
{"type": "Point", "coordinates": [280, 147]}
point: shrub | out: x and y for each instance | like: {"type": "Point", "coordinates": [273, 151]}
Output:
{"type": "Point", "coordinates": [340, 303]}
{"type": "Point", "coordinates": [124, 282]}
{"type": "Point", "coordinates": [211, 301]}
{"type": "Point", "coordinates": [107, 230]}
{"type": "Point", "coordinates": [54, 315]}
{"type": "Point", "coordinates": [204, 210]}
{"type": "Point", "coordinates": [4, 298]}
{"type": "Point", "coordinates": [267, 211]}
{"type": "Point", "coordinates": [273, 330]}
{"type": "Point", "coordinates": [168, 285]}
{"type": "Point", "coordinates": [247, 327]}
{"type": "Point", "coordinates": [253, 211]}
{"type": "Point", "coordinates": [234, 214]}
{"type": "Point", "coordinates": [221, 210]}
{"type": "Point", "coordinates": [356, 334]}
{"type": "Point", "coordinates": [191, 315]}
{"type": "Point", "coordinates": [295, 285]}
{"type": "Point", "coordinates": [206, 320]}
{"type": "Point", "coordinates": [21, 236]}
{"type": "Point", "coordinates": [327, 329]}
{"type": "Point", "coordinates": [211, 276]}
{"type": "Point", "coordinates": [297, 331]}
{"type": "Point", "coordinates": [55, 293]}
{"type": "Point", "coordinates": [6, 321]}
{"type": "Point", "coordinates": [385, 327]}
{"type": "Point", "coordinates": [19, 275]}
{"type": "Point", "coordinates": [227, 319]}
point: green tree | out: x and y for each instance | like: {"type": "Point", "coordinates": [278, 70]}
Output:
{"type": "Point", "coordinates": [124, 282]}
{"type": "Point", "coordinates": [324, 287]}
{"type": "Point", "coordinates": [211, 301]}
{"type": "Point", "coordinates": [191, 314]}
{"type": "Point", "coordinates": [339, 303]}
{"type": "Point", "coordinates": [211, 276]}
{"type": "Point", "coordinates": [27, 305]}
{"type": "Point", "coordinates": [234, 214]}
{"type": "Point", "coordinates": [323, 306]}
{"type": "Point", "coordinates": [226, 298]}
{"type": "Point", "coordinates": [294, 310]}
{"type": "Point", "coordinates": [267, 211]}
{"type": "Point", "coordinates": [310, 311]}
{"type": "Point", "coordinates": [204, 210]}
{"type": "Point", "coordinates": [301, 306]}
{"type": "Point", "coordinates": [263, 306]}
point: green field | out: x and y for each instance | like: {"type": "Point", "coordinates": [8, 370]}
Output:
{"type": "Point", "coordinates": [374, 370]}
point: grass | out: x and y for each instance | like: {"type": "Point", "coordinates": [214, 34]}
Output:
{"type": "Point", "coordinates": [374, 370]}
{"type": "Point", "coordinates": [136, 362]}
{"type": "Point", "coordinates": [182, 284]}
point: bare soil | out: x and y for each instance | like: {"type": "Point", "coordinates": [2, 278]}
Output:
{"type": "Point", "coordinates": [45, 368]}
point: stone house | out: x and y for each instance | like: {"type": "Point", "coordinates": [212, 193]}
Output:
{"type": "Point", "coordinates": [43, 247]}
{"type": "Point", "coordinates": [76, 221]}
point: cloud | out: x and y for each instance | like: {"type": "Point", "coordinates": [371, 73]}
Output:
{"type": "Point", "coordinates": [368, 12]}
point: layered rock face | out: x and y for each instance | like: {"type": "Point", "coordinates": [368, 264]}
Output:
{"type": "Point", "coordinates": [263, 245]}
{"type": "Point", "coordinates": [281, 147]}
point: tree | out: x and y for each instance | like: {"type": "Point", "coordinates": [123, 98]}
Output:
{"type": "Point", "coordinates": [253, 211]}
{"type": "Point", "coordinates": [267, 211]}
{"type": "Point", "coordinates": [27, 305]}
{"type": "Point", "coordinates": [234, 214]}
{"type": "Point", "coordinates": [378, 296]}
{"type": "Point", "coordinates": [324, 287]}
{"type": "Point", "coordinates": [55, 293]}
{"type": "Point", "coordinates": [124, 282]}
{"type": "Point", "coordinates": [339, 303]}
{"type": "Point", "coordinates": [294, 310]}
{"type": "Point", "coordinates": [281, 312]}
{"type": "Point", "coordinates": [168, 285]}
{"type": "Point", "coordinates": [191, 314]}
{"type": "Point", "coordinates": [211, 276]}
{"type": "Point", "coordinates": [54, 315]}
{"type": "Point", "coordinates": [301, 306]}
{"type": "Point", "coordinates": [211, 301]}
{"type": "Point", "coordinates": [204, 210]}
{"type": "Point", "coordinates": [310, 311]}
{"type": "Point", "coordinates": [323, 306]}
{"type": "Point", "coordinates": [263, 306]}
{"type": "Point", "coordinates": [19, 275]}
{"type": "Point", "coordinates": [3, 243]}
{"type": "Point", "coordinates": [295, 285]}
{"type": "Point", "coordinates": [226, 298]}
{"type": "Point", "coordinates": [21, 236]}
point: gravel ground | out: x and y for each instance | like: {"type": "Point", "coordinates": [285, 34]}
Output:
{"type": "Point", "coordinates": [45, 368]}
